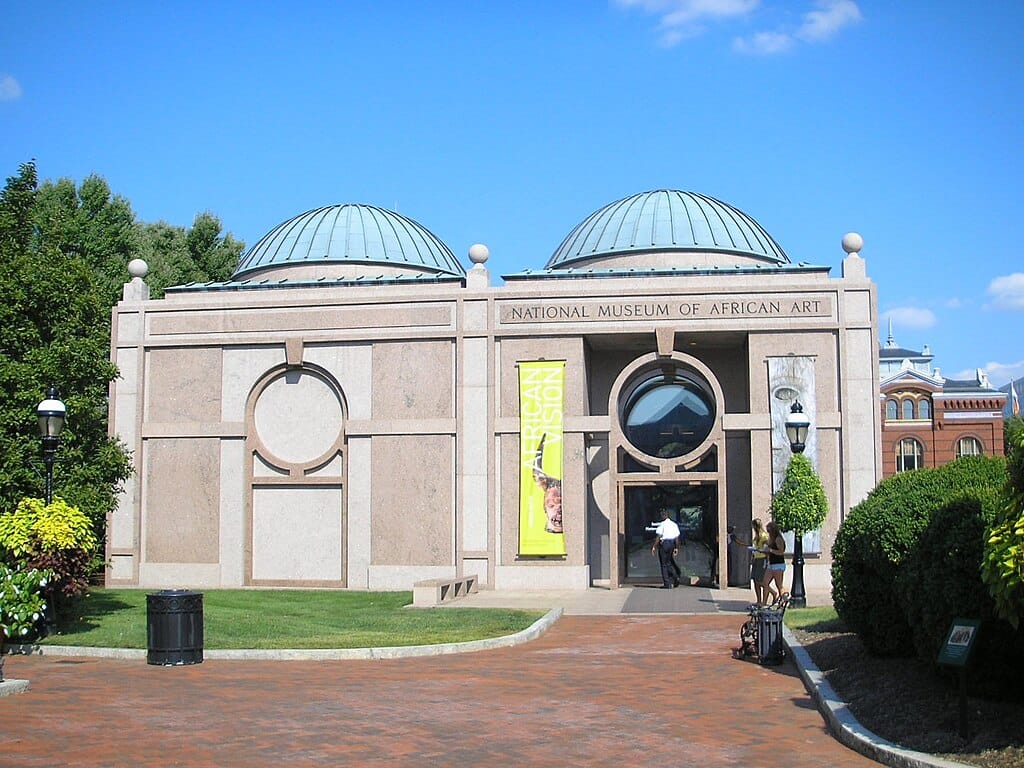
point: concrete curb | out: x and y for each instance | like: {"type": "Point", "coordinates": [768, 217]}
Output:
{"type": "Point", "coordinates": [10, 687]}
{"type": "Point", "coordinates": [845, 727]}
{"type": "Point", "coordinates": [532, 632]}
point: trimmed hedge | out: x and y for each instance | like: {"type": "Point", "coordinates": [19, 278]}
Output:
{"type": "Point", "coordinates": [878, 535]}
{"type": "Point", "coordinates": [941, 580]}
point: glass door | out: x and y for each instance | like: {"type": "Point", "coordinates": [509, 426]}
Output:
{"type": "Point", "coordinates": [695, 510]}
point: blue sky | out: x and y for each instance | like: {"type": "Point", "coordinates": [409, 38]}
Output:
{"type": "Point", "coordinates": [508, 123]}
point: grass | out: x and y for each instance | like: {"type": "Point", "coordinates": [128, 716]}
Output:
{"type": "Point", "coordinates": [116, 618]}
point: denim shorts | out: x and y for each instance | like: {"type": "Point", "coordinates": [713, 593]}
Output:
{"type": "Point", "coordinates": [777, 567]}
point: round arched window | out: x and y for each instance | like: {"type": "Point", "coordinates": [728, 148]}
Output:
{"type": "Point", "coordinates": [667, 414]}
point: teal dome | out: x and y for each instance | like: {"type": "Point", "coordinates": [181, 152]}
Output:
{"type": "Point", "coordinates": [667, 221]}
{"type": "Point", "coordinates": [350, 234]}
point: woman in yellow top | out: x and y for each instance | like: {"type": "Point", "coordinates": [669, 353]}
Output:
{"type": "Point", "coordinates": [758, 543]}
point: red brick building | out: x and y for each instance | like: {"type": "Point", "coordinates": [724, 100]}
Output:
{"type": "Point", "coordinates": [929, 420]}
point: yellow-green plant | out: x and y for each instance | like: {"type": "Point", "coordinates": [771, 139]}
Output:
{"type": "Point", "coordinates": [57, 538]}
{"type": "Point", "coordinates": [36, 528]}
{"type": "Point", "coordinates": [1002, 568]}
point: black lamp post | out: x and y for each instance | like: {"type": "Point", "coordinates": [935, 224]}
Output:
{"type": "Point", "coordinates": [51, 413]}
{"type": "Point", "coordinates": [797, 425]}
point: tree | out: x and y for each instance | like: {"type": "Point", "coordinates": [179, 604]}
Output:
{"type": "Point", "coordinates": [54, 328]}
{"type": "Point", "coordinates": [1002, 568]}
{"type": "Point", "coordinates": [177, 256]}
{"type": "Point", "coordinates": [64, 254]}
{"type": "Point", "coordinates": [800, 505]}
{"type": "Point", "coordinates": [92, 223]}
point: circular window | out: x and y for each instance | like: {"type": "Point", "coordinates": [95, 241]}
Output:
{"type": "Point", "coordinates": [668, 414]}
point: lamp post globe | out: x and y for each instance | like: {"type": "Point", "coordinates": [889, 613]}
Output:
{"type": "Point", "coordinates": [797, 426]}
{"type": "Point", "coordinates": [52, 414]}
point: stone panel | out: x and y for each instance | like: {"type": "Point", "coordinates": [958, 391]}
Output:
{"type": "Point", "coordinates": [413, 379]}
{"type": "Point", "coordinates": [412, 500]}
{"type": "Point", "coordinates": [181, 485]}
{"type": "Point", "coordinates": [183, 385]}
{"type": "Point", "coordinates": [297, 533]}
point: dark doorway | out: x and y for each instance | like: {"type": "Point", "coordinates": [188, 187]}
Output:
{"type": "Point", "coordinates": [695, 510]}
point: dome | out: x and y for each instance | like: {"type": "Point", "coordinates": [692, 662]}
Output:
{"type": "Point", "coordinates": [326, 242]}
{"type": "Point", "coordinates": [668, 223]}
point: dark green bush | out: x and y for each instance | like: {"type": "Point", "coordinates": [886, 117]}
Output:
{"type": "Point", "coordinates": [941, 580]}
{"type": "Point", "coordinates": [878, 535]}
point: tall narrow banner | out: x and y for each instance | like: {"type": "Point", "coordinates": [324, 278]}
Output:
{"type": "Point", "coordinates": [541, 391]}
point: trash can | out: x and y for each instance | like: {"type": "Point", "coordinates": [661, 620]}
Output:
{"type": "Point", "coordinates": [769, 636]}
{"type": "Point", "coordinates": [174, 627]}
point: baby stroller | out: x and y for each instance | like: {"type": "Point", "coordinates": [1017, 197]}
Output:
{"type": "Point", "coordinates": [761, 634]}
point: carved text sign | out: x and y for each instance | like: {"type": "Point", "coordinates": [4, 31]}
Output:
{"type": "Point", "coordinates": [708, 307]}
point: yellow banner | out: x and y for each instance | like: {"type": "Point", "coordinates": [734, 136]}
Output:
{"type": "Point", "coordinates": [541, 392]}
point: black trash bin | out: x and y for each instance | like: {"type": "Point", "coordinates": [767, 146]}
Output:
{"type": "Point", "coordinates": [769, 636]}
{"type": "Point", "coordinates": [174, 627]}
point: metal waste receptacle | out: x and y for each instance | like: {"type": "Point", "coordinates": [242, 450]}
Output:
{"type": "Point", "coordinates": [769, 636]}
{"type": "Point", "coordinates": [174, 627]}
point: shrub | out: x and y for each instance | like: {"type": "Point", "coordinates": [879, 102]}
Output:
{"type": "Point", "coordinates": [1003, 564]}
{"type": "Point", "coordinates": [879, 533]}
{"type": "Point", "coordinates": [21, 601]}
{"type": "Point", "coordinates": [56, 538]}
{"type": "Point", "coordinates": [941, 580]}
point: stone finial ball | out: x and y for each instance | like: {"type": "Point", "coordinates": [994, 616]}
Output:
{"type": "Point", "coordinates": [852, 242]}
{"type": "Point", "coordinates": [138, 268]}
{"type": "Point", "coordinates": [478, 253]}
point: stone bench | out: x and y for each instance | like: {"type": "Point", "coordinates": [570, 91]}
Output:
{"type": "Point", "coordinates": [430, 592]}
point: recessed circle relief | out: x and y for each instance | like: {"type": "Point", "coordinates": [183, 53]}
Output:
{"type": "Point", "coordinates": [298, 417]}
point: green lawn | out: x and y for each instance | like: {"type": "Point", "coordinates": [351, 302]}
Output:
{"type": "Point", "coordinates": [239, 618]}
{"type": "Point", "coordinates": [817, 619]}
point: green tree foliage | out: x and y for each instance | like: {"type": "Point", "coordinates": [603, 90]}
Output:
{"type": "Point", "coordinates": [54, 328]}
{"type": "Point", "coordinates": [177, 256]}
{"type": "Point", "coordinates": [64, 253]}
{"type": "Point", "coordinates": [878, 535]}
{"type": "Point", "coordinates": [800, 504]}
{"type": "Point", "coordinates": [90, 222]}
{"type": "Point", "coordinates": [1003, 565]}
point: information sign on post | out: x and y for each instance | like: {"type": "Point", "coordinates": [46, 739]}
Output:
{"type": "Point", "coordinates": [956, 652]}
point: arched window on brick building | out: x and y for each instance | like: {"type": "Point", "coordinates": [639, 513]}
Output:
{"type": "Point", "coordinates": [909, 455]}
{"type": "Point", "coordinates": [968, 446]}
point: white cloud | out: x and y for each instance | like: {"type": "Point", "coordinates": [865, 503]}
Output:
{"type": "Point", "coordinates": [1000, 374]}
{"type": "Point", "coordinates": [1004, 373]}
{"type": "Point", "coordinates": [763, 43]}
{"type": "Point", "coordinates": [831, 16]}
{"type": "Point", "coordinates": [10, 89]}
{"type": "Point", "coordinates": [1008, 291]}
{"type": "Point", "coordinates": [680, 19]}
{"type": "Point", "coordinates": [816, 26]}
{"type": "Point", "coordinates": [910, 317]}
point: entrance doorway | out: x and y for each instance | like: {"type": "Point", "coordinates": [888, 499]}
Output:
{"type": "Point", "coordinates": [694, 509]}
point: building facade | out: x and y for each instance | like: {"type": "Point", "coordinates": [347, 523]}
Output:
{"type": "Point", "coordinates": [355, 409]}
{"type": "Point", "coordinates": [929, 420]}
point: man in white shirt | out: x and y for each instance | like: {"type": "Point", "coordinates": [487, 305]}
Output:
{"type": "Point", "coordinates": [665, 546]}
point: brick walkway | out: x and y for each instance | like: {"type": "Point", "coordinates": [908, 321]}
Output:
{"type": "Point", "coordinates": [614, 690]}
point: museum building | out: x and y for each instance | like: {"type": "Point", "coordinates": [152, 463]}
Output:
{"type": "Point", "coordinates": [355, 409]}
